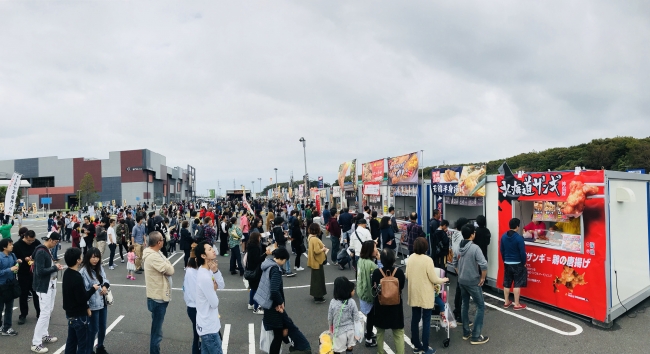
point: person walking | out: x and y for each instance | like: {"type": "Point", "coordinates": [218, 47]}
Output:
{"type": "Point", "coordinates": [89, 233]}
{"type": "Point", "coordinates": [102, 235]}
{"type": "Point", "coordinates": [256, 253]}
{"type": "Point", "coordinates": [422, 294]}
{"type": "Point", "coordinates": [189, 295]}
{"type": "Point", "coordinates": [297, 242]}
{"type": "Point", "coordinates": [235, 238]}
{"type": "Point", "coordinates": [389, 316]}
{"type": "Point", "coordinates": [223, 244]}
{"type": "Point", "coordinates": [513, 255]}
{"type": "Point", "coordinates": [334, 230]}
{"type": "Point", "coordinates": [345, 220]}
{"type": "Point", "coordinates": [280, 237]}
{"type": "Point", "coordinates": [208, 280]}
{"type": "Point", "coordinates": [24, 249]}
{"type": "Point", "coordinates": [467, 263]}
{"type": "Point", "coordinates": [365, 268]}
{"type": "Point", "coordinates": [316, 257]}
{"type": "Point", "coordinates": [8, 269]}
{"type": "Point", "coordinates": [111, 238]}
{"type": "Point", "coordinates": [75, 304]}
{"type": "Point", "coordinates": [158, 272]}
{"type": "Point", "coordinates": [186, 242]}
{"type": "Point", "coordinates": [387, 233]}
{"type": "Point", "coordinates": [138, 238]}
{"type": "Point", "coordinates": [123, 237]}
{"type": "Point", "coordinates": [93, 275]}
{"type": "Point", "coordinates": [45, 275]}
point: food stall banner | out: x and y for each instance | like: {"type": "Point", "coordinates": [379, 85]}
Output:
{"type": "Point", "coordinates": [403, 169]}
{"type": "Point", "coordinates": [336, 192]}
{"type": "Point", "coordinates": [569, 190]}
{"type": "Point", "coordinates": [572, 279]}
{"type": "Point", "coordinates": [472, 182]}
{"type": "Point", "coordinates": [300, 190]}
{"type": "Point", "coordinates": [373, 171]}
{"type": "Point", "coordinates": [320, 181]}
{"type": "Point", "coordinates": [12, 193]}
{"type": "Point", "coordinates": [343, 171]}
{"type": "Point", "coordinates": [353, 173]}
{"type": "Point", "coordinates": [371, 188]}
{"type": "Point", "coordinates": [404, 191]}
{"type": "Point", "coordinates": [444, 181]}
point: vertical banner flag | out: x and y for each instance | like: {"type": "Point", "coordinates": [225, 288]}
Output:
{"type": "Point", "coordinates": [343, 170]}
{"type": "Point", "coordinates": [372, 171]}
{"type": "Point", "coordinates": [245, 203]}
{"type": "Point", "coordinates": [320, 181]}
{"type": "Point", "coordinates": [12, 194]}
{"type": "Point", "coordinates": [353, 173]}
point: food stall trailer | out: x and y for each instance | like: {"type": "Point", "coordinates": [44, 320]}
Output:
{"type": "Point", "coordinates": [588, 239]}
{"type": "Point", "coordinates": [458, 192]}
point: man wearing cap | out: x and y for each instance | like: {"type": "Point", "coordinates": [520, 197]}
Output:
{"type": "Point", "coordinates": [45, 274]}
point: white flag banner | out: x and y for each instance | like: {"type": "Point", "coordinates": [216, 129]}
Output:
{"type": "Point", "coordinates": [12, 193]}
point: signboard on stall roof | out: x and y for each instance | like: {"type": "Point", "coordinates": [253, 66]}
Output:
{"type": "Point", "coordinates": [371, 188]}
{"type": "Point", "coordinates": [372, 171]}
{"type": "Point", "coordinates": [636, 170]}
{"type": "Point", "coordinates": [403, 169]}
{"type": "Point", "coordinates": [404, 191]}
{"type": "Point", "coordinates": [444, 181]}
{"type": "Point", "coordinates": [336, 192]}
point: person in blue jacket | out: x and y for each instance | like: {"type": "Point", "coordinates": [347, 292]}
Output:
{"type": "Point", "coordinates": [513, 255]}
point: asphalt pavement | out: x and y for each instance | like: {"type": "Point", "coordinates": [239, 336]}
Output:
{"type": "Point", "coordinates": [538, 329]}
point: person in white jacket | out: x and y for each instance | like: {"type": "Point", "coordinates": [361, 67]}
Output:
{"type": "Point", "coordinates": [208, 280]}
{"type": "Point", "coordinates": [360, 235]}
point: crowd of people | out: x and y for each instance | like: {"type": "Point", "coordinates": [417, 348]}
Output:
{"type": "Point", "coordinates": [260, 250]}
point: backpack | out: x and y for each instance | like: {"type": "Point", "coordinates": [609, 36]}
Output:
{"type": "Point", "coordinates": [389, 293]}
{"type": "Point", "coordinates": [263, 293]}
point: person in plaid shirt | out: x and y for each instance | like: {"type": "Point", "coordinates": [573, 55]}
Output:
{"type": "Point", "coordinates": [413, 231]}
{"type": "Point", "coordinates": [208, 231]}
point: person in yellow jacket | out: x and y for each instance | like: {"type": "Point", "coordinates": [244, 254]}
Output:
{"type": "Point", "coordinates": [422, 277]}
{"type": "Point", "coordinates": [316, 256]}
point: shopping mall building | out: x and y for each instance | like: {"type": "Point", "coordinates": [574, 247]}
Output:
{"type": "Point", "coordinates": [134, 176]}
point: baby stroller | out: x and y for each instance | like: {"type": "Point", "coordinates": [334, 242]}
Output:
{"type": "Point", "coordinates": [443, 318]}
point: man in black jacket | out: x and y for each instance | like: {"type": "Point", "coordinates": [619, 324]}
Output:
{"type": "Point", "coordinates": [75, 303]}
{"type": "Point", "coordinates": [345, 221]}
{"type": "Point", "coordinates": [24, 249]}
{"type": "Point", "coordinates": [45, 275]}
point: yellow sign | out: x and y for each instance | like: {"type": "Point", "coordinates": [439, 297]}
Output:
{"type": "Point", "coordinates": [385, 209]}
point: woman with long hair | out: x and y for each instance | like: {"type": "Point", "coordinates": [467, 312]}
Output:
{"type": "Point", "coordinates": [189, 295]}
{"type": "Point", "coordinates": [255, 256]}
{"type": "Point", "coordinates": [387, 233]}
{"type": "Point", "coordinates": [93, 273]}
{"type": "Point", "coordinates": [316, 256]}
{"type": "Point", "coordinates": [297, 242]}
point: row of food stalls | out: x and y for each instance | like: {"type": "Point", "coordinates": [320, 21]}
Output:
{"type": "Point", "coordinates": [586, 233]}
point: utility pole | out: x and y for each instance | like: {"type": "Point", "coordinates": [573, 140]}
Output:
{"type": "Point", "coordinates": [260, 188]}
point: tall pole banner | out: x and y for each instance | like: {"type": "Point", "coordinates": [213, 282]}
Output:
{"type": "Point", "coordinates": [12, 193]}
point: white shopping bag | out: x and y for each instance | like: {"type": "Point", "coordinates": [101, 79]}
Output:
{"type": "Point", "coordinates": [266, 337]}
{"type": "Point", "coordinates": [449, 319]}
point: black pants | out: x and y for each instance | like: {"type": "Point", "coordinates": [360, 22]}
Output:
{"type": "Point", "coordinates": [25, 282]}
{"type": "Point", "coordinates": [223, 249]}
{"type": "Point", "coordinates": [298, 256]}
{"type": "Point", "coordinates": [123, 247]}
{"type": "Point", "coordinates": [457, 300]}
{"type": "Point", "coordinates": [370, 322]}
{"type": "Point", "coordinates": [111, 247]}
{"type": "Point", "coordinates": [68, 233]}
{"type": "Point", "coordinates": [187, 256]}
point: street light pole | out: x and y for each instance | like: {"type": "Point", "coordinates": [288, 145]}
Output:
{"type": "Point", "coordinates": [276, 178]}
{"type": "Point", "coordinates": [304, 149]}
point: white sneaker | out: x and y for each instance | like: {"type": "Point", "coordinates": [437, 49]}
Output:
{"type": "Point", "coordinates": [49, 339]}
{"type": "Point", "coordinates": [299, 269]}
{"type": "Point", "coordinates": [251, 307]}
{"type": "Point", "coordinates": [259, 311]}
{"type": "Point", "coordinates": [39, 349]}
{"type": "Point", "coordinates": [122, 261]}
{"type": "Point", "coordinates": [111, 267]}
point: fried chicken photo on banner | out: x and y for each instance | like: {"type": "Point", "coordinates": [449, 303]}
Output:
{"type": "Point", "coordinates": [578, 193]}
{"type": "Point", "coordinates": [569, 278]}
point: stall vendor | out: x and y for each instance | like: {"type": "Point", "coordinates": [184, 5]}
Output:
{"type": "Point", "coordinates": [535, 229]}
{"type": "Point", "coordinates": [569, 227]}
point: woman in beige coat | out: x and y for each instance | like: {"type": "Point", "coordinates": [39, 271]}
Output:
{"type": "Point", "coordinates": [423, 277]}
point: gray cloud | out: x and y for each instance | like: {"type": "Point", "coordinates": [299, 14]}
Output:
{"type": "Point", "coordinates": [231, 87]}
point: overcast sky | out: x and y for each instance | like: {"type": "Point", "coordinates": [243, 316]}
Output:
{"type": "Point", "coordinates": [230, 87]}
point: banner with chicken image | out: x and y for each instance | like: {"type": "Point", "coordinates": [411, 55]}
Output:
{"type": "Point", "coordinates": [403, 169]}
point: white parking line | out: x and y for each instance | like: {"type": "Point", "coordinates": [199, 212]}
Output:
{"type": "Point", "coordinates": [251, 338]}
{"type": "Point", "coordinates": [226, 337]}
{"type": "Point", "coordinates": [374, 330]}
{"type": "Point", "coordinates": [178, 260]}
{"type": "Point", "coordinates": [578, 328]}
{"type": "Point", "coordinates": [108, 330]}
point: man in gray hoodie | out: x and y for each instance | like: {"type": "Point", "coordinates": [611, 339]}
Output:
{"type": "Point", "coordinates": [467, 263]}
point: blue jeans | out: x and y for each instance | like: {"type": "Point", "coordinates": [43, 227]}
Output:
{"type": "Point", "coordinates": [235, 260]}
{"type": "Point", "coordinates": [287, 265]}
{"type": "Point", "coordinates": [336, 244]}
{"type": "Point", "coordinates": [158, 311]}
{"type": "Point", "coordinates": [8, 306]}
{"type": "Point", "coordinates": [191, 312]}
{"type": "Point", "coordinates": [477, 294]}
{"type": "Point", "coordinates": [211, 344]}
{"type": "Point", "coordinates": [55, 251]}
{"type": "Point", "coordinates": [251, 301]}
{"type": "Point", "coordinates": [77, 342]}
{"type": "Point", "coordinates": [97, 327]}
{"type": "Point", "coordinates": [416, 314]}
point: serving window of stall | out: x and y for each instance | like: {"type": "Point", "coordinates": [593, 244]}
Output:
{"type": "Point", "coordinates": [405, 199]}
{"type": "Point", "coordinates": [543, 224]}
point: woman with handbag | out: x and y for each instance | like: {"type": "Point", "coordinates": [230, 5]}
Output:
{"type": "Point", "coordinates": [255, 254]}
{"type": "Point", "coordinates": [9, 288]}
{"type": "Point", "coordinates": [93, 273]}
{"type": "Point", "coordinates": [316, 256]}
